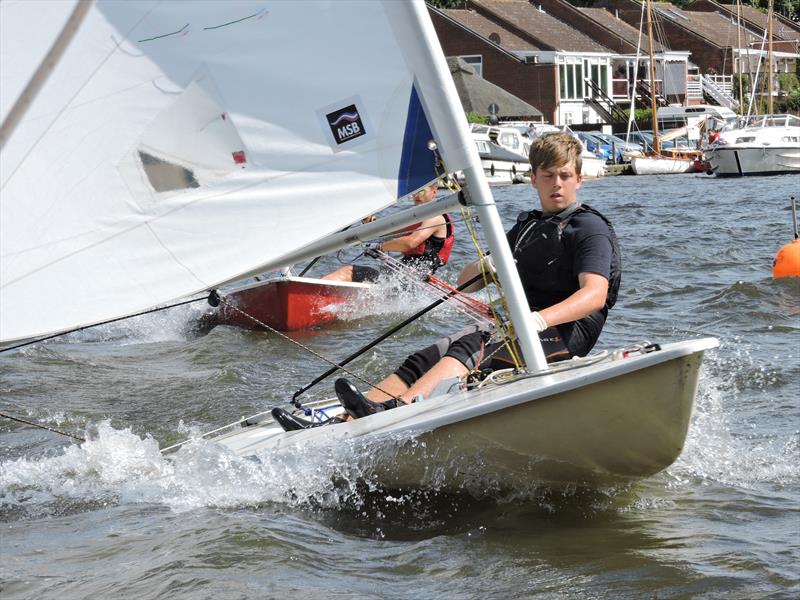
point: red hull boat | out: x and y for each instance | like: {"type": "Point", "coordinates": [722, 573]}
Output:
{"type": "Point", "coordinates": [286, 303]}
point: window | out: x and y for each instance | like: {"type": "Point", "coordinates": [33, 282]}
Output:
{"type": "Point", "coordinates": [572, 74]}
{"type": "Point", "coordinates": [165, 176]}
{"type": "Point", "coordinates": [476, 62]}
{"type": "Point", "coordinates": [509, 140]}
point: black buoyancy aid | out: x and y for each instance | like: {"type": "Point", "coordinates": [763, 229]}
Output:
{"type": "Point", "coordinates": [435, 249]}
{"type": "Point", "coordinates": [544, 263]}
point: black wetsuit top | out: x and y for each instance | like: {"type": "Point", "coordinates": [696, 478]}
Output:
{"type": "Point", "coordinates": [551, 250]}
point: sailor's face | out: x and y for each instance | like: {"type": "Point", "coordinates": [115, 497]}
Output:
{"type": "Point", "coordinates": [557, 186]}
{"type": "Point", "coordinates": [425, 194]}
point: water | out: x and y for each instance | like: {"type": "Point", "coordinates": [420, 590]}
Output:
{"type": "Point", "coordinates": [111, 518]}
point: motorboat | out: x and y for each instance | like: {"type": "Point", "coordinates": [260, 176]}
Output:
{"type": "Point", "coordinates": [500, 164]}
{"type": "Point", "coordinates": [761, 145]}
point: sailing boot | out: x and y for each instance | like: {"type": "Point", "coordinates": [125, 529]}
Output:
{"type": "Point", "coordinates": [356, 404]}
{"type": "Point", "coordinates": [290, 422]}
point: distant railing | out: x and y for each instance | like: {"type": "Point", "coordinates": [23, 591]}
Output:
{"type": "Point", "coordinates": [694, 87]}
{"type": "Point", "coordinates": [723, 82]}
{"type": "Point", "coordinates": [719, 88]}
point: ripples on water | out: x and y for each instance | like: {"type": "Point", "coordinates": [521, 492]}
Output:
{"type": "Point", "coordinates": [112, 517]}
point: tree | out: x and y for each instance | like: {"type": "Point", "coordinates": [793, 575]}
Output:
{"type": "Point", "coordinates": [446, 3]}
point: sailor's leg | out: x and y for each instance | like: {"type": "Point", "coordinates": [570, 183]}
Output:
{"type": "Point", "coordinates": [444, 369]}
{"type": "Point", "coordinates": [388, 388]}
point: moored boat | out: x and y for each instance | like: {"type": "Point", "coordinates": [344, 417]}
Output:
{"type": "Point", "coordinates": [661, 165]}
{"type": "Point", "coordinates": [762, 145]}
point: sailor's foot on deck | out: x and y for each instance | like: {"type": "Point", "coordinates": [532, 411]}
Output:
{"type": "Point", "coordinates": [356, 404]}
{"type": "Point", "coordinates": [289, 422]}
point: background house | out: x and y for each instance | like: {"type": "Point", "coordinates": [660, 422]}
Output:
{"type": "Point", "coordinates": [553, 60]}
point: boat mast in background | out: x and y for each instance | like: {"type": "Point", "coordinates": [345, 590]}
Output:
{"type": "Point", "coordinates": [769, 57]}
{"type": "Point", "coordinates": [653, 102]}
{"type": "Point", "coordinates": [739, 54]}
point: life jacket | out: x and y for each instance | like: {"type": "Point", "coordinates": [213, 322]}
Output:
{"type": "Point", "coordinates": [435, 250]}
{"type": "Point", "coordinates": [544, 262]}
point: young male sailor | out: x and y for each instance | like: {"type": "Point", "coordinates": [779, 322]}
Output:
{"type": "Point", "coordinates": [425, 248]}
{"type": "Point", "coordinates": [569, 263]}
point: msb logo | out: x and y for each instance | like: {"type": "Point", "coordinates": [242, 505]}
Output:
{"type": "Point", "coordinates": [346, 124]}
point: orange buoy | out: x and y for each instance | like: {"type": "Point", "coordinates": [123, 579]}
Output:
{"type": "Point", "coordinates": [787, 261]}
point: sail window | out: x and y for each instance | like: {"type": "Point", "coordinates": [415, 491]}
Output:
{"type": "Point", "coordinates": [165, 176]}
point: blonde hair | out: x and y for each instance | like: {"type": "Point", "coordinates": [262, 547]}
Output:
{"type": "Point", "coordinates": [555, 150]}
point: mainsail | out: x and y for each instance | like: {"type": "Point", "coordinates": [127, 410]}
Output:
{"type": "Point", "coordinates": [182, 145]}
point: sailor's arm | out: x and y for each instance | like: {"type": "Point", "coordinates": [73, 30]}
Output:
{"type": "Point", "coordinates": [590, 297]}
{"type": "Point", "coordinates": [425, 230]}
{"type": "Point", "coordinates": [471, 271]}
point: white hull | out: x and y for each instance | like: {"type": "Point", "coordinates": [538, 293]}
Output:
{"type": "Point", "coordinates": [610, 422]}
{"type": "Point", "coordinates": [737, 161]}
{"type": "Point", "coordinates": [648, 165]}
{"type": "Point", "coordinates": [593, 167]}
{"type": "Point", "coordinates": [502, 171]}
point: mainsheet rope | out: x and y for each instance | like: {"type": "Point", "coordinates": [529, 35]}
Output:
{"type": "Point", "coordinates": [40, 426]}
{"type": "Point", "coordinates": [139, 314]}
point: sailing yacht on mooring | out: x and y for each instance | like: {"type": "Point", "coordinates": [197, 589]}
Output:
{"type": "Point", "coordinates": [657, 163]}
{"type": "Point", "coordinates": [182, 146]}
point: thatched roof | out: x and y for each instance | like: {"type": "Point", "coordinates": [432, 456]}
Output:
{"type": "Point", "coordinates": [476, 94]}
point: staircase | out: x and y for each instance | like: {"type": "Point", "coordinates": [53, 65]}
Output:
{"type": "Point", "coordinates": [716, 90]}
{"type": "Point", "coordinates": [603, 105]}
{"type": "Point", "coordinates": [643, 91]}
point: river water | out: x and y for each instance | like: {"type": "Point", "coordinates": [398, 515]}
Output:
{"type": "Point", "coordinates": [112, 518]}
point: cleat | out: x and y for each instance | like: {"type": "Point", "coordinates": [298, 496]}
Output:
{"type": "Point", "coordinates": [290, 422]}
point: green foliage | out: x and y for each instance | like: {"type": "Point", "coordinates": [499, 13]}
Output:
{"type": "Point", "coordinates": [788, 82]}
{"type": "Point", "coordinates": [746, 86]}
{"type": "Point", "coordinates": [640, 114]}
{"type": "Point", "coordinates": [789, 103]}
{"type": "Point", "coordinates": [474, 117]}
{"type": "Point", "coordinates": [446, 3]}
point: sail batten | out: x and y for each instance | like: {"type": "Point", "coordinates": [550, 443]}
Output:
{"type": "Point", "coordinates": [180, 144]}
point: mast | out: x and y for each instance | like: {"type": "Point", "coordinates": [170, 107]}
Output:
{"type": "Point", "coordinates": [653, 103]}
{"type": "Point", "coordinates": [479, 195]}
{"type": "Point", "coordinates": [739, 57]}
{"type": "Point", "coordinates": [769, 57]}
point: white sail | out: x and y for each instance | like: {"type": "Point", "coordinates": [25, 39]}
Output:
{"type": "Point", "coordinates": [180, 145]}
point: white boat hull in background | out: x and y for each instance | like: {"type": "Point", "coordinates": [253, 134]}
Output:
{"type": "Point", "coordinates": [737, 161]}
{"type": "Point", "coordinates": [593, 167]}
{"type": "Point", "coordinates": [648, 165]}
{"type": "Point", "coordinates": [611, 422]}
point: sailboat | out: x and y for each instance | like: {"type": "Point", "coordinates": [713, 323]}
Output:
{"type": "Point", "coordinates": [181, 146]}
{"type": "Point", "coordinates": [657, 163]}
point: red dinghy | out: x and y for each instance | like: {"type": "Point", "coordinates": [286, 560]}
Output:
{"type": "Point", "coordinates": [286, 303]}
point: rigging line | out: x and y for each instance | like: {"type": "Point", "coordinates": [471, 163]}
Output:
{"type": "Point", "coordinates": [375, 342]}
{"type": "Point", "coordinates": [306, 348]}
{"type": "Point", "coordinates": [456, 303]}
{"type": "Point", "coordinates": [505, 329]}
{"type": "Point", "coordinates": [462, 303]}
{"type": "Point", "coordinates": [139, 314]}
{"type": "Point", "coordinates": [40, 426]}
